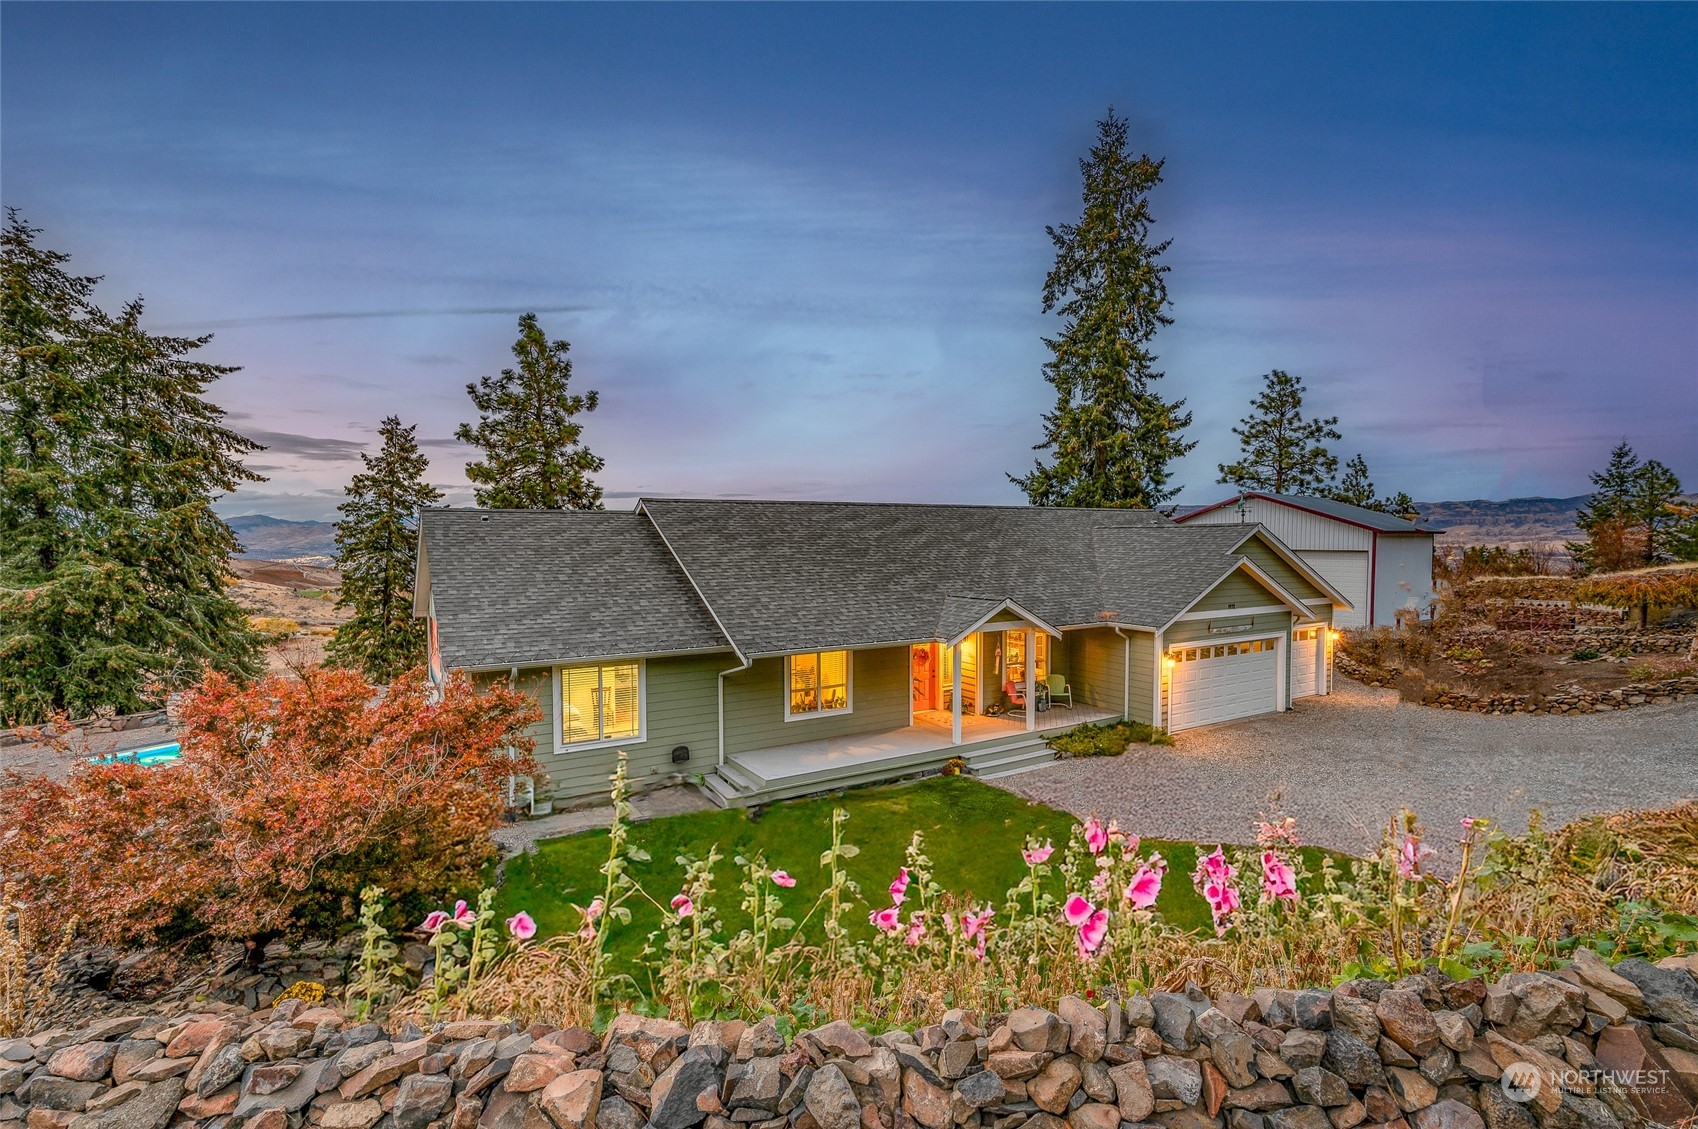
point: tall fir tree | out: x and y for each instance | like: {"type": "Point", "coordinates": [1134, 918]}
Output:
{"type": "Point", "coordinates": [1112, 439]}
{"type": "Point", "coordinates": [1355, 487]}
{"type": "Point", "coordinates": [1655, 507]}
{"type": "Point", "coordinates": [377, 542]}
{"type": "Point", "coordinates": [1607, 517]}
{"type": "Point", "coordinates": [534, 457]}
{"type": "Point", "coordinates": [112, 577]}
{"type": "Point", "coordinates": [1279, 449]}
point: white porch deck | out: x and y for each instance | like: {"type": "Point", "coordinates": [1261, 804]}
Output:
{"type": "Point", "coordinates": [990, 746]}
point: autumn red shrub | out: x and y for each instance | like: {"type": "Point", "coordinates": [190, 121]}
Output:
{"type": "Point", "coordinates": [290, 794]}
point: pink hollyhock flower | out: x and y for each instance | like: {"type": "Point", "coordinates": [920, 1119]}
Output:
{"type": "Point", "coordinates": [1077, 910]}
{"type": "Point", "coordinates": [887, 920]}
{"type": "Point", "coordinates": [780, 878]}
{"type": "Point", "coordinates": [1099, 883]}
{"type": "Point", "coordinates": [591, 912]}
{"type": "Point", "coordinates": [973, 925]}
{"type": "Point", "coordinates": [916, 931]}
{"type": "Point", "coordinates": [1278, 879]}
{"type": "Point", "coordinates": [1091, 934]}
{"type": "Point", "coordinates": [521, 926]}
{"type": "Point", "coordinates": [682, 905]}
{"type": "Point", "coordinates": [464, 916]}
{"type": "Point", "coordinates": [1223, 901]}
{"type": "Point", "coordinates": [979, 949]}
{"type": "Point", "coordinates": [1144, 888]}
{"type": "Point", "coordinates": [1213, 867]}
{"type": "Point", "coordinates": [1410, 856]}
{"type": "Point", "coordinates": [899, 888]}
{"type": "Point", "coordinates": [434, 921]}
{"type": "Point", "coordinates": [1096, 835]}
{"type": "Point", "coordinates": [1037, 856]}
{"type": "Point", "coordinates": [1285, 831]}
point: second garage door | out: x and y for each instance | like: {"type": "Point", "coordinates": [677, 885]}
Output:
{"type": "Point", "coordinates": [1221, 681]}
{"type": "Point", "coordinates": [1305, 662]}
{"type": "Point", "coordinates": [1348, 572]}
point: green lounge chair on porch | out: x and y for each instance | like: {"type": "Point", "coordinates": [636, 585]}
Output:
{"type": "Point", "coordinates": [1058, 690]}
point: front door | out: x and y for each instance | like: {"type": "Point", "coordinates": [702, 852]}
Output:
{"type": "Point", "coordinates": [923, 663]}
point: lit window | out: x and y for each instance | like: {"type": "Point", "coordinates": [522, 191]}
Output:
{"type": "Point", "coordinates": [601, 702]}
{"type": "Point", "coordinates": [1014, 661]}
{"type": "Point", "coordinates": [819, 684]}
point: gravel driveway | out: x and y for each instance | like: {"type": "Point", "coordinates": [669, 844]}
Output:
{"type": "Point", "coordinates": [1345, 763]}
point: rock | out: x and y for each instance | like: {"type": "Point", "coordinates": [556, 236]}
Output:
{"type": "Point", "coordinates": [1054, 1085]}
{"type": "Point", "coordinates": [1455, 1031]}
{"type": "Point", "coordinates": [153, 1108]}
{"type": "Point", "coordinates": [362, 1114]}
{"type": "Point", "coordinates": [223, 1068]}
{"type": "Point", "coordinates": [507, 1110]}
{"type": "Point", "coordinates": [959, 1058]}
{"type": "Point", "coordinates": [116, 1096]}
{"type": "Point", "coordinates": [981, 1090]}
{"type": "Point", "coordinates": [570, 1101]}
{"type": "Point", "coordinates": [195, 1037]}
{"type": "Point", "coordinates": [1175, 1079]}
{"type": "Point", "coordinates": [1234, 1056]}
{"type": "Point", "coordinates": [197, 1108]}
{"type": "Point", "coordinates": [757, 1085]}
{"type": "Point", "coordinates": [421, 1097]}
{"type": "Point", "coordinates": [1352, 1059]}
{"type": "Point", "coordinates": [924, 1101]}
{"type": "Point", "coordinates": [1176, 1021]}
{"type": "Point", "coordinates": [1034, 1029]}
{"type": "Point", "coordinates": [1138, 1011]}
{"type": "Point", "coordinates": [830, 1101]}
{"type": "Point", "coordinates": [1186, 1119]}
{"type": "Point", "coordinates": [1507, 1053]}
{"type": "Point", "coordinates": [270, 1079]}
{"type": "Point", "coordinates": [1355, 1015]}
{"type": "Point", "coordinates": [1670, 995]}
{"type": "Point", "coordinates": [1629, 1052]}
{"type": "Point", "coordinates": [403, 1058]}
{"type": "Point", "coordinates": [292, 1097]}
{"type": "Point", "coordinates": [282, 1042]}
{"type": "Point", "coordinates": [1499, 1112]}
{"type": "Point", "coordinates": [840, 1039]}
{"type": "Point", "coordinates": [1393, 1055]}
{"type": "Point", "coordinates": [617, 1113]}
{"type": "Point", "coordinates": [47, 1091]}
{"type": "Point", "coordinates": [1438, 1066]}
{"type": "Point", "coordinates": [1317, 1085]}
{"type": "Point", "coordinates": [534, 1070]}
{"type": "Point", "coordinates": [1313, 1010]}
{"type": "Point", "coordinates": [1087, 1027]}
{"type": "Point", "coordinates": [1278, 1007]}
{"type": "Point", "coordinates": [1132, 1092]}
{"type": "Point", "coordinates": [1590, 968]}
{"type": "Point", "coordinates": [1349, 1115]}
{"type": "Point", "coordinates": [1302, 1048]}
{"type": "Point", "coordinates": [1094, 1115]}
{"type": "Point", "coordinates": [83, 1062]}
{"type": "Point", "coordinates": [1017, 1064]}
{"type": "Point", "coordinates": [1446, 1114]}
{"type": "Point", "coordinates": [347, 1063]}
{"type": "Point", "coordinates": [675, 1092]}
{"type": "Point", "coordinates": [162, 1068]}
{"type": "Point", "coordinates": [1543, 1005]}
{"type": "Point", "coordinates": [131, 1055]}
{"type": "Point", "coordinates": [267, 1119]}
{"type": "Point", "coordinates": [1264, 1095]}
{"type": "Point", "coordinates": [1407, 1022]}
{"type": "Point", "coordinates": [1299, 1117]}
{"type": "Point", "coordinates": [1411, 1088]}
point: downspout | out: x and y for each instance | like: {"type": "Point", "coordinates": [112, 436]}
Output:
{"type": "Point", "coordinates": [746, 664]}
{"type": "Point", "coordinates": [1126, 670]}
{"type": "Point", "coordinates": [1373, 574]}
{"type": "Point", "coordinates": [1155, 682]}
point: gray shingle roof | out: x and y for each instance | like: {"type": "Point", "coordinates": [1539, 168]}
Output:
{"type": "Point", "coordinates": [1343, 511]}
{"type": "Point", "coordinates": [546, 586]}
{"type": "Point", "coordinates": [789, 576]}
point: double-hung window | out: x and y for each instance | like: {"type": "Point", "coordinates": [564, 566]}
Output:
{"type": "Point", "coordinates": [601, 703]}
{"type": "Point", "coordinates": [818, 683]}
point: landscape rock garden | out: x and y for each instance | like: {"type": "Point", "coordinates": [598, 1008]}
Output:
{"type": "Point", "coordinates": [1586, 1047]}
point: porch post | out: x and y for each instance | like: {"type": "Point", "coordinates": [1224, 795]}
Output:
{"type": "Point", "coordinates": [1031, 679]}
{"type": "Point", "coordinates": [955, 697]}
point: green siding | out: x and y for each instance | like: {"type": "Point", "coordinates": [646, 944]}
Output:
{"type": "Point", "coordinates": [1240, 589]}
{"type": "Point", "coordinates": [1143, 674]}
{"type": "Point", "coordinates": [1286, 576]}
{"type": "Point", "coordinates": [754, 702]}
{"type": "Point", "coordinates": [1191, 630]}
{"type": "Point", "coordinates": [1096, 664]}
{"type": "Point", "coordinates": [680, 708]}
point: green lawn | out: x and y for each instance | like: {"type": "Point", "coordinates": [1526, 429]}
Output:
{"type": "Point", "coordinates": [973, 832]}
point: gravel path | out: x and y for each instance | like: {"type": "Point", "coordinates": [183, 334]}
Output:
{"type": "Point", "coordinates": [1344, 764]}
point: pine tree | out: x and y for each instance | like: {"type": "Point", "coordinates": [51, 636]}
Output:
{"type": "Point", "coordinates": [1279, 449]}
{"type": "Point", "coordinates": [1112, 438]}
{"type": "Point", "coordinates": [1355, 487]}
{"type": "Point", "coordinates": [1654, 506]}
{"type": "Point", "coordinates": [113, 569]}
{"type": "Point", "coordinates": [1607, 517]}
{"type": "Point", "coordinates": [377, 541]}
{"type": "Point", "coordinates": [533, 452]}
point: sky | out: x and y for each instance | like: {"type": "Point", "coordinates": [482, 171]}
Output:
{"type": "Point", "coordinates": [799, 249]}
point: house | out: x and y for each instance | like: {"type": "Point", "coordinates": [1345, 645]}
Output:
{"type": "Point", "coordinates": [773, 649]}
{"type": "Point", "coordinates": [1381, 562]}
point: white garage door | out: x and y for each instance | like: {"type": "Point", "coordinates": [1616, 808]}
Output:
{"type": "Point", "coordinates": [1220, 681]}
{"type": "Point", "coordinates": [1347, 572]}
{"type": "Point", "coordinates": [1305, 662]}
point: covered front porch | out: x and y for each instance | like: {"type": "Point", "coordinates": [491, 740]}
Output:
{"type": "Point", "coordinates": [990, 746]}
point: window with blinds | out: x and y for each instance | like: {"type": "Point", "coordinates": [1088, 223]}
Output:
{"type": "Point", "coordinates": [601, 702]}
{"type": "Point", "coordinates": [818, 683]}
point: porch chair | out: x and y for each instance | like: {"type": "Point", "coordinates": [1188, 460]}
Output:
{"type": "Point", "coordinates": [1059, 691]}
{"type": "Point", "coordinates": [1016, 695]}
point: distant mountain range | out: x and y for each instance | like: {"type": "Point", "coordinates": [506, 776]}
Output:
{"type": "Point", "coordinates": [1515, 522]}
{"type": "Point", "coordinates": [278, 539]}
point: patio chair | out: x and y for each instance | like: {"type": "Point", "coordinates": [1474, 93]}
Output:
{"type": "Point", "coordinates": [1059, 692]}
{"type": "Point", "coordinates": [1016, 695]}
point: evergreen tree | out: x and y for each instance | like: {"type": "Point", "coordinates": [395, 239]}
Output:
{"type": "Point", "coordinates": [1355, 487]}
{"type": "Point", "coordinates": [1607, 518]}
{"type": "Point", "coordinates": [534, 457]}
{"type": "Point", "coordinates": [113, 569]}
{"type": "Point", "coordinates": [1654, 506]}
{"type": "Point", "coordinates": [1279, 449]}
{"type": "Point", "coordinates": [377, 541]}
{"type": "Point", "coordinates": [1399, 504]}
{"type": "Point", "coordinates": [1111, 437]}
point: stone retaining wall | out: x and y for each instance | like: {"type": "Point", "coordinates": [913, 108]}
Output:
{"type": "Point", "coordinates": [1592, 1047]}
{"type": "Point", "coordinates": [1567, 701]}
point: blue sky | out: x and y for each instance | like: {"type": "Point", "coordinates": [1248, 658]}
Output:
{"type": "Point", "coordinates": [799, 249]}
